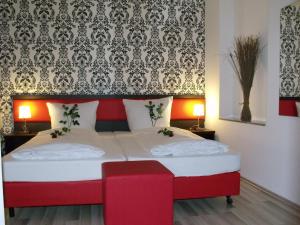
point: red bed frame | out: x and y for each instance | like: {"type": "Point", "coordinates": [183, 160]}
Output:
{"type": "Point", "coordinates": [26, 194]}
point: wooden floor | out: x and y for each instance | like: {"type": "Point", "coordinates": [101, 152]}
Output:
{"type": "Point", "coordinates": [252, 207]}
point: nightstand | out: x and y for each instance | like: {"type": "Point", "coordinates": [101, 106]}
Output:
{"type": "Point", "coordinates": [12, 141]}
{"type": "Point", "coordinates": [205, 133]}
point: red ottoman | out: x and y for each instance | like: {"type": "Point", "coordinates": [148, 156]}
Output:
{"type": "Point", "coordinates": [137, 193]}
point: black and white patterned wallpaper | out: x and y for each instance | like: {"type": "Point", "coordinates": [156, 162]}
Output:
{"type": "Point", "coordinates": [100, 47]}
{"type": "Point", "coordinates": [290, 52]}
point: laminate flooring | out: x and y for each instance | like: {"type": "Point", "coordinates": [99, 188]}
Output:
{"type": "Point", "coordinates": [252, 207]}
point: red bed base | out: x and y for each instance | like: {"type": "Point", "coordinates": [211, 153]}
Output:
{"type": "Point", "coordinates": [27, 194]}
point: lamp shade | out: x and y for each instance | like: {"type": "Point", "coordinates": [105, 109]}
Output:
{"type": "Point", "coordinates": [24, 112]}
{"type": "Point", "coordinates": [198, 110]}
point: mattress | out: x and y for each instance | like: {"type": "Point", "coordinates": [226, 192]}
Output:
{"type": "Point", "coordinates": [62, 170]}
{"type": "Point", "coordinates": [197, 165]}
{"type": "Point", "coordinates": [119, 146]}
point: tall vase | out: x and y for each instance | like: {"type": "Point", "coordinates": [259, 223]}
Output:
{"type": "Point", "coordinates": [246, 112]}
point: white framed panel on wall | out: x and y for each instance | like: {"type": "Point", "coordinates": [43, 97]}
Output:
{"type": "Point", "coordinates": [2, 219]}
{"type": "Point", "coordinates": [231, 97]}
{"type": "Point", "coordinates": [1, 182]}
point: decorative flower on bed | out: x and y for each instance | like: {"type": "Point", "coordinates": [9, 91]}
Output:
{"type": "Point", "coordinates": [71, 114]}
{"type": "Point", "coordinates": [166, 132]}
{"type": "Point", "coordinates": [155, 113]}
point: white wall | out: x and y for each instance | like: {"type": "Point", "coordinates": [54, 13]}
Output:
{"type": "Point", "coordinates": [270, 155]}
{"type": "Point", "coordinates": [1, 184]}
{"type": "Point", "coordinates": [1, 193]}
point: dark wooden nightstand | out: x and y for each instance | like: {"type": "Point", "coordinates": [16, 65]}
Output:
{"type": "Point", "coordinates": [12, 141]}
{"type": "Point", "coordinates": [205, 133]}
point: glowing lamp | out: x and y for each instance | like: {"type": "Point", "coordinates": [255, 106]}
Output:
{"type": "Point", "coordinates": [198, 111]}
{"type": "Point", "coordinates": [24, 113]}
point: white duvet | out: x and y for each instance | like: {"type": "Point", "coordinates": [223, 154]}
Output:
{"type": "Point", "coordinates": [183, 143]}
{"type": "Point", "coordinates": [78, 144]}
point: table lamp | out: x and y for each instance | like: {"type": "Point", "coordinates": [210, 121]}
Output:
{"type": "Point", "coordinates": [198, 111]}
{"type": "Point", "coordinates": [24, 113]}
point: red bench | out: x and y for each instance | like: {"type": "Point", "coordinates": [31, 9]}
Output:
{"type": "Point", "coordinates": [137, 193]}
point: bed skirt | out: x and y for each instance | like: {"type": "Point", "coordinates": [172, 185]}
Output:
{"type": "Point", "coordinates": [27, 194]}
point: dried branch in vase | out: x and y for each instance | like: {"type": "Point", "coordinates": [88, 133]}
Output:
{"type": "Point", "coordinates": [244, 60]}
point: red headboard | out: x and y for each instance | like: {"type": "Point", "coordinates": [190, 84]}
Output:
{"type": "Point", "coordinates": [110, 109]}
{"type": "Point", "coordinates": [287, 106]}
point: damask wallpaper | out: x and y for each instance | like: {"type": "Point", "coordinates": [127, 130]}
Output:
{"type": "Point", "coordinates": [290, 52]}
{"type": "Point", "coordinates": [100, 47]}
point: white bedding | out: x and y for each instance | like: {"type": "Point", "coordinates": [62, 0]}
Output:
{"type": "Point", "coordinates": [196, 165]}
{"type": "Point", "coordinates": [183, 143]}
{"type": "Point", "coordinates": [77, 144]}
{"type": "Point", "coordinates": [118, 146]}
{"type": "Point", "coordinates": [62, 170]}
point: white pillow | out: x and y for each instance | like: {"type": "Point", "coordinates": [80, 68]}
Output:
{"type": "Point", "coordinates": [87, 112]}
{"type": "Point", "coordinates": [138, 116]}
{"type": "Point", "coordinates": [298, 108]}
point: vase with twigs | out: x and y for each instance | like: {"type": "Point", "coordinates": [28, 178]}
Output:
{"type": "Point", "coordinates": [244, 58]}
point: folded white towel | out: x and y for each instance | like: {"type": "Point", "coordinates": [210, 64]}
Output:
{"type": "Point", "coordinates": [78, 144]}
{"type": "Point", "coordinates": [183, 143]}
{"type": "Point", "coordinates": [59, 152]}
{"type": "Point", "coordinates": [187, 148]}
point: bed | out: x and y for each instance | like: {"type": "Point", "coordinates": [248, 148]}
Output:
{"type": "Point", "coordinates": [47, 191]}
